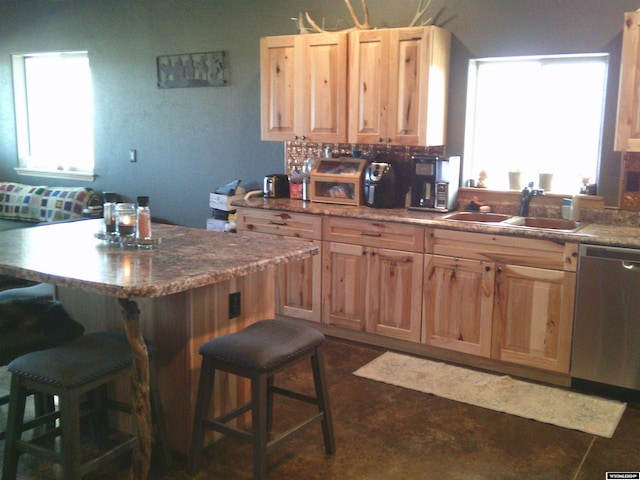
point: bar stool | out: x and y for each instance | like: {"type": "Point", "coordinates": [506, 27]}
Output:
{"type": "Point", "coordinates": [259, 352]}
{"type": "Point", "coordinates": [82, 366]}
{"type": "Point", "coordinates": [31, 320]}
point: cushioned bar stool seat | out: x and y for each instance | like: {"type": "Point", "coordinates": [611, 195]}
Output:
{"type": "Point", "coordinates": [31, 320]}
{"type": "Point", "coordinates": [259, 352]}
{"type": "Point", "coordinates": [82, 366]}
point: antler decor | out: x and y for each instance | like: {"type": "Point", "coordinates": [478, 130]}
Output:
{"type": "Point", "coordinates": [420, 13]}
{"type": "Point", "coordinates": [364, 25]}
{"type": "Point", "coordinates": [358, 26]}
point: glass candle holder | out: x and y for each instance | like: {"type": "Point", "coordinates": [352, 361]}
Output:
{"type": "Point", "coordinates": [109, 209]}
{"type": "Point", "coordinates": [126, 219]}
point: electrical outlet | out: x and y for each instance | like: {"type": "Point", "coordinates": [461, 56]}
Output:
{"type": "Point", "coordinates": [133, 155]}
{"type": "Point", "coordinates": [234, 305]}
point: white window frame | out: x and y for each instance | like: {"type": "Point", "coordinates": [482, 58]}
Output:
{"type": "Point", "coordinates": [472, 168]}
{"type": "Point", "coordinates": [25, 165]}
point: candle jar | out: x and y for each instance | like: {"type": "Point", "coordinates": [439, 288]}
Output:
{"type": "Point", "coordinates": [109, 209]}
{"type": "Point", "coordinates": [126, 219]}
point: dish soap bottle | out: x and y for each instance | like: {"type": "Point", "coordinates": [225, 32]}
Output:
{"type": "Point", "coordinates": [143, 230]}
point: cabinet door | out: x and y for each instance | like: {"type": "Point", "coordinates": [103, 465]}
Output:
{"type": "Point", "coordinates": [368, 85]}
{"type": "Point", "coordinates": [394, 286]}
{"type": "Point", "coordinates": [628, 126]}
{"type": "Point", "coordinates": [298, 288]}
{"type": "Point", "coordinates": [418, 85]}
{"type": "Point", "coordinates": [343, 285]}
{"type": "Point", "coordinates": [533, 316]}
{"type": "Point", "coordinates": [277, 87]}
{"type": "Point", "coordinates": [458, 304]}
{"type": "Point", "coordinates": [322, 110]}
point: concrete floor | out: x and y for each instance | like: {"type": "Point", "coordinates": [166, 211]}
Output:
{"type": "Point", "coordinates": [387, 432]}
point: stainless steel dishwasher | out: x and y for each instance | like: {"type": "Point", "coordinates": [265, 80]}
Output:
{"type": "Point", "coordinates": [606, 340]}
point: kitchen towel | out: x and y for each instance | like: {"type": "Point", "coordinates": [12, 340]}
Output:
{"type": "Point", "coordinates": [546, 404]}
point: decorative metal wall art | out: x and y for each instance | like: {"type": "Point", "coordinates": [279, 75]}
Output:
{"type": "Point", "coordinates": [207, 69]}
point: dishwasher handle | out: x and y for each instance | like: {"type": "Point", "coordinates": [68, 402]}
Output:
{"type": "Point", "coordinates": [630, 257]}
{"type": "Point", "coordinates": [631, 266]}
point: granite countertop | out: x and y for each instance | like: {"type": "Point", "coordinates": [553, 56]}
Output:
{"type": "Point", "coordinates": [590, 232]}
{"type": "Point", "coordinates": [69, 255]}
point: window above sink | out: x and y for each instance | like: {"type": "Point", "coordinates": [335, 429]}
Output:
{"type": "Point", "coordinates": [535, 115]}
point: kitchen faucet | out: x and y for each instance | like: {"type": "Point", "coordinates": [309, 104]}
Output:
{"type": "Point", "coordinates": [525, 199]}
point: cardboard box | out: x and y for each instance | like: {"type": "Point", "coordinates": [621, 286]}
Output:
{"type": "Point", "coordinates": [223, 202]}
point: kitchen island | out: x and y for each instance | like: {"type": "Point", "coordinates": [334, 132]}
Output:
{"type": "Point", "coordinates": [191, 287]}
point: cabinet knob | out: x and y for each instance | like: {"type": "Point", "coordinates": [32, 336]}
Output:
{"type": "Point", "coordinates": [295, 137]}
{"type": "Point", "coordinates": [380, 140]}
{"type": "Point", "coordinates": [499, 270]}
{"type": "Point", "coordinates": [303, 137]}
{"type": "Point", "coordinates": [389, 140]}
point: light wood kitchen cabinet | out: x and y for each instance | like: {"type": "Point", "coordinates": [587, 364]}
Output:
{"type": "Point", "coordinates": [458, 304]}
{"type": "Point", "coordinates": [368, 287]}
{"type": "Point", "coordinates": [514, 297]}
{"type": "Point", "coordinates": [398, 84]}
{"type": "Point", "coordinates": [298, 283]}
{"type": "Point", "coordinates": [533, 316]}
{"type": "Point", "coordinates": [628, 124]}
{"type": "Point", "coordinates": [303, 82]}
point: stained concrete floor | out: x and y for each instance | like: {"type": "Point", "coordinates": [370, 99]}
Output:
{"type": "Point", "coordinates": [387, 432]}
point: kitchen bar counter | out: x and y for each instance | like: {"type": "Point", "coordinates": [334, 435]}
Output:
{"type": "Point", "coordinates": [591, 233]}
{"type": "Point", "coordinates": [177, 294]}
{"type": "Point", "coordinates": [68, 255]}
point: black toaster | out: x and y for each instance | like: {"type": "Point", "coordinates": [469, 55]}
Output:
{"type": "Point", "coordinates": [276, 185]}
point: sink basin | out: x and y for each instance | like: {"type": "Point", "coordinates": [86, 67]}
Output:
{"type": "Point", "coordinates": [541, 222]}
{"type": "Point", "coordinates": [477, 217]}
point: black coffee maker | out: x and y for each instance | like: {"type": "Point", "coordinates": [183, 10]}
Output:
{"type": "Point", "coordinates": [380, 185]}
{"type": "Point", "coordinates": [434, 185]}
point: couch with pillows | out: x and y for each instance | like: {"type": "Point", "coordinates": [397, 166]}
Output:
{"type": "Point", "coordinates": [24, 206]}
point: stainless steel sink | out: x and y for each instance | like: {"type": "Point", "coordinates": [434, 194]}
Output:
{"type": "Point", "coordinates": [477, 217]}
{"type": "Point", "coordinates": [545, 223]}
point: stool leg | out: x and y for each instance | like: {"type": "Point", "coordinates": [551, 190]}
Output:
{"type": "Point", "coordinates": [100, 419]}
{"type": "Point", "coordinates": [17, 400]}
{"type": "Point", "coordinates": [70, 423]}
{"type": "Point", "coordinates": [322, 394]}
{"type": "Point", "coordinates": [203, 400]}
{"type": "Point", "coordinates": [259, 425]}
{"type": "Point", "coordinates": [158, 420]}
{"type": "Point", "coordinates": [270, 382]}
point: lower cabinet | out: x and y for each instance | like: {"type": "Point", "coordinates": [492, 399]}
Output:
{"type": "Point", "coordinates": [511, 300]}
{"type": "Point", "coordinates": [505, 298]}
{"type": "Point", "coordinates": [458, 304]}
{"type": "Point", "coordinates": [533, 316]}
{"type": "Point", "coordinates": [370, 289]}
{"type": "Point", "coordinates": [298, 287]}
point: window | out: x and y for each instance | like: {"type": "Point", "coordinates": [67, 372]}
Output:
{"type": "Point", "coordinates": [54, 114]}
{"type": "Point", "coordinates": [535, 115]}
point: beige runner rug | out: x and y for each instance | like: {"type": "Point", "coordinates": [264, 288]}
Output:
{"type": "Point", "coordinates": [552, 405]}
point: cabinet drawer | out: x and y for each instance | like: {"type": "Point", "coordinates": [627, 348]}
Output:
{"type": "Point", "coordinates": [374, 234]}
{"type": "Point", "coordinates": [277, 222]}
{"type": "Point", "coordinates": [505, 249]}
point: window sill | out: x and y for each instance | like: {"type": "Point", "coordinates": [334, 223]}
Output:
{"type": "Point", "coordinates": [62, 174]}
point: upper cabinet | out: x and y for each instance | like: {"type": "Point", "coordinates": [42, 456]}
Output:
{"type": "Point", "coordinates": [628, 126]}
{"type": "Point", "coordinates": [303, 87]}
{"type": "Point", "coordinates": [398, 84]}
{"type": "Point", "coordinates": [395, 81]}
